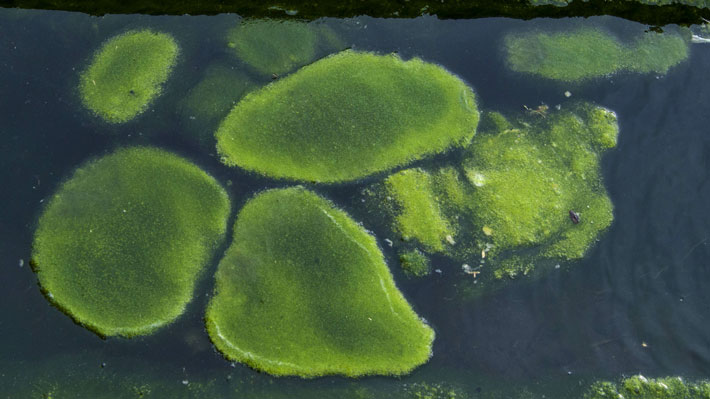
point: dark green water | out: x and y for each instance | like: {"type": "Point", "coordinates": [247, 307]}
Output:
{"type": "Point", "coordinates": [637, 303]}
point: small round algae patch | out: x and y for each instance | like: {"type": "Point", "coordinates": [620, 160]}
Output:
{"type": "Point", "coordinates": [348, 116]}
{"type": "Point", "coordinates": [120, 245]}
{"type": "Point", "coordinates": [127, 73]}
{"type": "Point", "coordinates": [304, 290]}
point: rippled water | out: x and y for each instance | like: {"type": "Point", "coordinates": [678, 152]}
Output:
{"type": "Point", "coordinates": [637, 303]}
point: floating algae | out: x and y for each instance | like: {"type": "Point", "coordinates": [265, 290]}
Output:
{"type": "Point", "coordinates": [127, 73]}
{"type": "Point", "coordinates": [120, 245]}
{"type": "Point", "coordinates": [274, 47]}
{"type": "Point", "coordinates": [211, 100]}
{"type": "Point", "coordinates": [348, 116]}
{"type": "Point", "coordinates": [507, 203]}
{"type": "Point", "coordinates": [640, 387]}
{"type": "Point", "coordinates": [588, 53]}
{"type": "Point", "coordinates": [303, 290]}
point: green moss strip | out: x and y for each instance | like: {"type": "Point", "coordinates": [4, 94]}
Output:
{"type": "Point", "coordinates": [640, 387]}
{"type": "Point", "coordinates": [120, 245]}
{"type": "Point", "coordinates": [348, 116]}
{"type": "Point", "coordinates": [304, 290]}
{"type": "Point", "coordinates": [591, 53]}
{"type": "Point", "coordinates": [126, 74]}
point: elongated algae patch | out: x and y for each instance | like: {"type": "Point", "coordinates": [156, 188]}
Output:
{"type": "Point", "coordinates": [304, 290]}
{"type": "Point", "coordinates": [640, 387]}
{"type": "Point", "coordinates": [120, 245]}
{"type": "Point", "coordinates": [588, 53]}
{"type": "Point", "coordinates": [276, 47]}
{"type": "Point", "coordinates": [348, 116]}
{"type": "Point", "coordinates": [127, 73]}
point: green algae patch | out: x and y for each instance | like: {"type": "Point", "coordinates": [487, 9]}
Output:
{"type": "Point", "coordinates": [348, 116]}
{"type": "Point", "coordinates": [526, 194]}
{"type": "Point", "coordinates": [120, 245]}
{"type": "Point", "coordinates": [640, 387]}
{"type": "Point", "coordinates": [127, 73]}
{"type": "Point", "coordinates": [304, 290]}
{"type": "Point", "coordinates": [275, 47]}
{"type": "Point", "coordinates": [415, 263]}
{"type": "Point", "coordinates": [420, 217]}
{"type": "Point", "coordinates": [208, 102]}
{"type": "Point", "coordinates": [588, 53]}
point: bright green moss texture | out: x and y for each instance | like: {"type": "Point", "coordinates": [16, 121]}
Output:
{"type": "Point", "coordinates": [120, 245]}
{"type": "Point", "coordinates": [640, 387]}
{"type": "Point", "coordinates": [347, 116]}
{"type": "Point", "coordinates": [127, 73]}
{"type": "Point", "coordinates": [278, 46]}
{"type": "Point", "coordinates": [304, 290]}
{"type": "Point", "coordinates": [589, 53]}
{"type": "Point", "coordinates": [508, 202]}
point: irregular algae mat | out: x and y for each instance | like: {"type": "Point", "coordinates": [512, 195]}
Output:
{"type": "Point", "coordinates": [304, 290]}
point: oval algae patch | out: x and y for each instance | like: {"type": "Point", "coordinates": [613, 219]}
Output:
{"type": "Point", "coordinates": [303, 290]}
{"type": "Point", "coordinates": [120, 245]}
{"type": "Point", "coordinates": [347, 116]}
{"type": "Point", "coordinates": [127, 73]}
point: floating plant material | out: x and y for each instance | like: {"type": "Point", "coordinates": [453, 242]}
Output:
{"type": "Point", "coordinates": [588, 53]}
{"type": "Point", "coordinates": [640, 387]}
{"type": "Point", "coordinates": [120, 245]}
{"type": "Point", "coordinates": [507, 203]}
{"type": "Point", "coordinates": [127, 73]}
{"type": "Point", "coordinates": [304, 290]}
{"type": "Point", "coordinates": [211, 100]}
{"type": "Point", "coordinates": [348, 116]}
{"type": "Point", "coordinates": [415, 263]}
{"type": "Point", "coordinates": [275, 47]}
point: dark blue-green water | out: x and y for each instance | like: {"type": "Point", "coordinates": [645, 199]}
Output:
{"type": "Point", "coordinates": [637, 303]}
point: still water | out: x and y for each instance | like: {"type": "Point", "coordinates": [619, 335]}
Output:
{"type": "Point", "coordinates": [636, 303]}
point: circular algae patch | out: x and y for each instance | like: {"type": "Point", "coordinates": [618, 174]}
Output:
{"type": "Point", "coordinates": [348, 116]}
{"type": "Point", "coordinates": [120, 245]}
{"type": "Point", "coordinates": [304, 290]}
{"type": "Point", "coordinates": [127, 73]}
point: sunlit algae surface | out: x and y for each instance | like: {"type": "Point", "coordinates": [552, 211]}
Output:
{"type": "Point", "coordinates": [127, 73]}
{"type": "Point", "coordinates": [121, 243]}
{"type": "Point", "coordinates": [508, 202]}
{"type": "Point", "coordinates": [588, 53]}
{"type": "Point", "coordinates": [304, 290]}
{"type": "Point", "coordinates": [348, 116]}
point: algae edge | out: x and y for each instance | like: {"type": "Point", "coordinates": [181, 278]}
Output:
{"type": "Point", "coordinates": [108, 219]}
{"type": "Point", "coordinates": [331, 309]}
